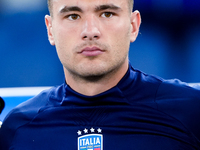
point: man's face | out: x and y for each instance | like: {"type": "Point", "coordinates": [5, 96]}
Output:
{"type": "Point", "coordinates": [92, 37]}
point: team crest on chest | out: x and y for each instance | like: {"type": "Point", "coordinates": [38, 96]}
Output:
{"type": "Point", "coordinates": [90, 139]}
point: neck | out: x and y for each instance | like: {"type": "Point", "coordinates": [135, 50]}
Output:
{"type": "Point", "coordinates": [94, 85]}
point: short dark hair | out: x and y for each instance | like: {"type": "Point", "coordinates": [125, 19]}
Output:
{"type": "Point", "coordinates": [130, 3]}
{"type": "Point", "coordinates": [49, 6]}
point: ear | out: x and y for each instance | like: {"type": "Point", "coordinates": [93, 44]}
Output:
{"type": "Point", "coordinates": [48, 22]}
{"type": "Point", "coordinates": [135, 25]}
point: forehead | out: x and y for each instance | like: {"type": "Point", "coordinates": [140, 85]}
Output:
{"type": "Point", "coordinates": [59, 4]}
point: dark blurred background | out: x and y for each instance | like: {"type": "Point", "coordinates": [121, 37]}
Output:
{"type": "Point", "coordinates": [168, 44]}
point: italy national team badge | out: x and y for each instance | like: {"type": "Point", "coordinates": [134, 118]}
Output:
{"type": "Point", "coordinates": [90, 139]}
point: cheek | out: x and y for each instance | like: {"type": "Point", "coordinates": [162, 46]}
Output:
{"type": "Point", "coordinates": [119, 35]}
{"type": "Point", "coordinates": [64, 38]}
{"type": "Point", "coordinates": [63, 45]}
{"type": "Point", "coordinates": [119, 29]}
{"type": "Point", "coordinates": [64, 30]}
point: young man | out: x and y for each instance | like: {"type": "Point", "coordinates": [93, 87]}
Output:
{"type": "Point", "coordinates": [104, 103]}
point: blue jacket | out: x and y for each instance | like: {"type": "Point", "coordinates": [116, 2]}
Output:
{"type": "Point", "coordinates": [141, 112]}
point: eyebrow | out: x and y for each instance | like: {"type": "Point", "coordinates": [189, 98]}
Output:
{"type": "Point", "coordinates": [66, 9]}
{"type": "Point", "coordinates": [70, 8]}
{"type": "Point", "coordinates": [107, 6]}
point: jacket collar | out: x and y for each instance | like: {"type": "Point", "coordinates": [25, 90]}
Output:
{"type": "Point", "coordinates": [114, 95]}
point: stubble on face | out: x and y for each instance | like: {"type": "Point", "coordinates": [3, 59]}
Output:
{"type": "Point", "coordinates": [88, 69]}
{"type": "Point", "coordinates": [93, 71]}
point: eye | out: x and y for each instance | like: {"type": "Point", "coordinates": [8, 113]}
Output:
{"type": "Point", "coordinates": [107, 14]}
{"type": "Point", "coordinates": [73, 17]}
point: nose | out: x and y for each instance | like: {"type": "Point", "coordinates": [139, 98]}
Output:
{"type": "Point", "coordinates": [90, 29]}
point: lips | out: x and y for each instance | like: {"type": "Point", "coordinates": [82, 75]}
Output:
{"type": "Point", "coordinates": [91, 51]}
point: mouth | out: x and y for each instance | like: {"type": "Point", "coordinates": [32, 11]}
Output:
{"type": "Point", "coordinates": [91, 51]}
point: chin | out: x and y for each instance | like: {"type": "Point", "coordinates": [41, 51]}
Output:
{"type": "Point", "coordinates": [93, 74]}
{"type": "Point", "coordinates": [94, 78]}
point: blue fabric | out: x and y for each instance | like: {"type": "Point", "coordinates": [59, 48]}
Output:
{"type": "Point", "coordinates": [141, 112]}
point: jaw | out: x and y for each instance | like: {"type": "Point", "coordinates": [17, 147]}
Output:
{"type": "Point", "coordinates": [93, 84]}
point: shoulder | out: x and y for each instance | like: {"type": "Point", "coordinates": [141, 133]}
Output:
{"type": "Point", "coordinates": [26, 111]}
{"type": "Point", "coordinates": [32, 106]}
{"type": "Point", "coordinates": [175, 90]}
{"type": "Point", "coordinates": [182, 102]}
{"type": "Point", "coordinates": [174, 98]}
{"type": "Point", "coordinates": [161, 90]}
